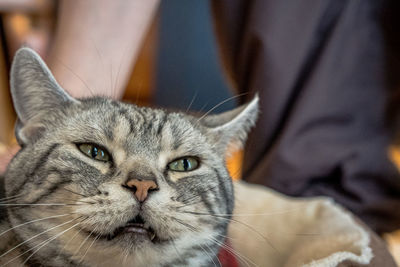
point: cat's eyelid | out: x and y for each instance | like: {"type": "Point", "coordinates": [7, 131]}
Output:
{"type": "Point", "coordinates": [185, 157]}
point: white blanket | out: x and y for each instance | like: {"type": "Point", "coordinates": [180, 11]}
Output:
{"type": "Point", "coordinates": [270, 229]}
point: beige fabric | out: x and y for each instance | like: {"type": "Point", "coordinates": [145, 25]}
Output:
{"type": "Point", "coordinates": [270, 229]}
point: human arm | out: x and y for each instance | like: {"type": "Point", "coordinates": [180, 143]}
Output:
{"type": "Point", "coordinates": [96, 44]}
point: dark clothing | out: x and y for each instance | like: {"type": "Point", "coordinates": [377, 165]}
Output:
{"type": "Point", "coordinates": [326, 71]}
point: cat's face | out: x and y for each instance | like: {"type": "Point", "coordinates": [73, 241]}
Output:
{"type": "Point", "coordinates": [113, 183]}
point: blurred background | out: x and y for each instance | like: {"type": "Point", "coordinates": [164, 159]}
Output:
{"type": "Point", "coordinates": [169, 62]}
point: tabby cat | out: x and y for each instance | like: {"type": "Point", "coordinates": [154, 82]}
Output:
{"type": "Point", "coordinates": [104, 183]}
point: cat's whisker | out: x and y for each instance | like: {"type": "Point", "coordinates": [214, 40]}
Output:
{"type": "Point", "coordinates": [274, 231]}
{"type": "Point", "coordinates": [219, 104]}
{"type": "Point", "coordinates": [126, 252]}
{"type": "Point", "coordinates": [176, 249]}
{"type": "Point", "coordinates": [221, 244]}
{"type": "Point", "coordinates": [11, 197]}
{"type": "Point", "coordinates": [232, 251]}
{"type": "Point", "coordinates": [76, 201]}
{"type": "Point", "coordinates": [193, 229]}
{"type": "Point", "coordinates": [225, 236]}
{"type": "Point", "coordinates": [76, 75]}
{"type": "Point", "coordinates": [234, 214]}
{"type": "Point", "coordinates": [72, 238]}
{"type": "Point", "coordinates": [100, 58]}
{"type": "Point", "coordinates": [39, 204]}
{"type": "Point", "coordinates": [204, 105]}
{"type": "Point", "coordinates": [73, 192]}
{"type": "Point", "coordinates": [187, 201]}
{"type": "Point", "coordinates": [85, 240]}
{"type": "Point", "coordinates": [32, 237]}
{"type": "Point", "coordinates": [119, 67]}
{"type": "Point", "coordinates": [85, 202]}
{"type": "Point", "coordinates": [187, 225]}
{"type": "Point", "coordinates": [236, 221]}
{"type": "Point", "coordinates": [33, 221]}
{"type": "Point", "coordinates": [94, 240]}
{"type": "Point", "coordinates": [189, 204]}
{"type": "Point", "coordinates": [9, 201]}
{"type": "Point", "coordinates": [192, 101]}
{"type": "Point", "coordinates": [111, 82]}
{"type": "Point", "coordinates": [44, 243]}
{"type": "Point", "coordinates": [210, 249]}
{"type": "Point", "coordinates": [272, 213]}
{"type": "Point", "coordinates": [208, 255]}
{"type": "Point", "coordinates": [190, 199]}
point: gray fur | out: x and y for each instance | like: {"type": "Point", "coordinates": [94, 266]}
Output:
{"type": "Point", "coordinates": [142, 141]}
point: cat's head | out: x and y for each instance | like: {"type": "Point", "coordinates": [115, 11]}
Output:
{"type": "Point", "coordinates": [114, 183]}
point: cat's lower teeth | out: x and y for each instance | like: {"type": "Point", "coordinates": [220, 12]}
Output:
{"type": "Point", "coordinates": [139, 225]}
{"type": "Point", "coordinates": [139, 228]}
{"type": "Point", "coordinates": [135, 229]}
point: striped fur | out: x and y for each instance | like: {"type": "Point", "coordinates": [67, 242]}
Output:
{"type": "Point", "coordinates": [67, 205]}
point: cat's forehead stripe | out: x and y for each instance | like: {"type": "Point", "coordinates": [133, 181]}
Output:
{"type": "Point", "coordinates": [121, 129]}
{"type": "Point", "coordinates": [161, 123]}
{"type": "Point", "coordinates": [124, 113]}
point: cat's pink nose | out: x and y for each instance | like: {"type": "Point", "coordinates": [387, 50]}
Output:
{"type": "Point", "coordinates": [141, 188]}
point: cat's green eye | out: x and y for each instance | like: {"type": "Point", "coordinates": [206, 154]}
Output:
{"type": "Point", "coordinates": [94, 152]}
{"type": "Point", "coordinates": [184, 164]}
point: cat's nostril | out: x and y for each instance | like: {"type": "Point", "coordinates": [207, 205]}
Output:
{"type": "Point", "coordinates": [141, 188]}
{"type": "Point", "coordinates": [131, 187]}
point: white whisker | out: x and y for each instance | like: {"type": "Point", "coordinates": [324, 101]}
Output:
{"type": "Point", "coordinates": [101, 60]}
{"type": "Point", "coordinates": [39, 204]}
{"type": "Point", "coordinates": [176, 250]}
{"type": "Point", "coordinates": [29, 239]}
{"type": "Point", "coordinates": [37, 220]}
{"type": "Point", "coordinates": [239, 222]}
{"type": "Point", "coordinates": [229, 249]}
{"type": "Point", "coordinates": [94, 240]}
{"type": "Point", "coordinates": [11, 197]}
{"type": "Point", "coordinates": [219, 104]}
{"type": "Point", "coordinates": [192, 101]}
{"type": "Point", "coordinates": [76, 75]}
{"type": "Point", "coordinates": [84, 241]}
{"type": "Point", "coordinates": [119, 69]}
{"type": "Point", "coordinates": [44, 243]}
{"type": "Point", "coordinates": [72, 238]}
{"type": "Point", "coordinates": [111, 82]}
{"type": "Point", "coordinates": [233, 252]}
{"type": "Point", "coordinates": [208, 255]}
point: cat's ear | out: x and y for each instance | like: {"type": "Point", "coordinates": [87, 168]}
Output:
{"type": "Point", "coordinates": [231, 127]}
{"type": "Point", "coordinates": [35, 93]}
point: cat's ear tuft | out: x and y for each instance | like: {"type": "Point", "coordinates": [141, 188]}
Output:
{"type": "Point", "coordinates": [230, 129]}
{"type": "Point", "coordinates": [34, 91]}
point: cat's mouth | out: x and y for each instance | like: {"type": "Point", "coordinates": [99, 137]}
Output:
{"type": "Point", "coordinates": [138, 227]}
